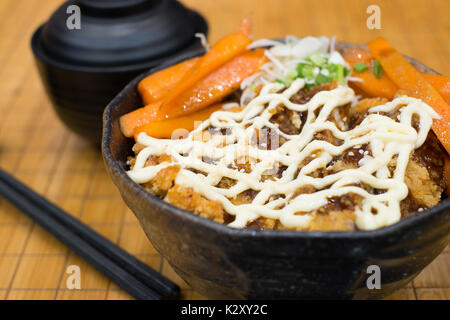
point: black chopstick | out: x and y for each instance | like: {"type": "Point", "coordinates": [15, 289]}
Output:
{"type": "Point", "coordinates": [138, 269]}
{"type": "Point", "coordinates": [129, 273]}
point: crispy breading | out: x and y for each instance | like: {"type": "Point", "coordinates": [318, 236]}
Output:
{"type": "Point", "coordinates": [263, 223]}
{"type": "Point", "coordinates": [420, 185]}
{"type": "Point", "coordinates": [186, 198]}
{"type": "Point", "coordinates": [154, 160]}
{"type": "Point", "coordinates": [358, 112]}
{"type": "Point", "coordinates": [163, 181]}
{"type": "Point", "coordinates": [341, 220]}
{"type": "Point", "coordinates": [364, 105]}
{"type": "Point", "coordinates": [138, 148]}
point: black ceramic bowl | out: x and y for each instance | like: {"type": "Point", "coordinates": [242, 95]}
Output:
{"type": "Point", "coordinates": [221, 262]}
{"type": "Point", "coordinates": [79, 91]}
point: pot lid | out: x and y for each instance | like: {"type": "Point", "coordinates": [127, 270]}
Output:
{"type": "Point", "coordinates": [118, 32]}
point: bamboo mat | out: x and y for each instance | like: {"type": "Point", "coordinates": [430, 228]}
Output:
{"type": "Point", "coordinates": [37, 149]}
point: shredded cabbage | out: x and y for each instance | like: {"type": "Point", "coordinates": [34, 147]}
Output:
{"type": "Point", "coordinates": [203, 41]}
{"type": "Point", "coordinates": [286, 56]}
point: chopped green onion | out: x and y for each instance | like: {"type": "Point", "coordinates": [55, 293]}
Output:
{"type": "Point", "coordinates": [300, 68]}
{"type": "Point", "coordinates": [321, 79]}
{"type": "Point", "coordinates": [252, 87]}
{"type": "Point", "coordinates": [376, 69]}
{"type": "Point", "coordinates": [305, 71]}
{"type": "Point", "coordinates": [340, 73]}
{"type": "Point", "coordinates": [360, 67]}
{"type": "Point", "coordinates": [308, 71]}
{"type": "Point", "coordinates": [332, 68]}
{"type": "Point", "coordinates": [280, 81]}
{"type": "Point", "coordinates": [317, 59]}
{"type": "Point", "coordinates": [291, 75]}
{"type": "Point", "coordinates": [346, 71]}
{"type": "Point", "coordinates": [308, 86]}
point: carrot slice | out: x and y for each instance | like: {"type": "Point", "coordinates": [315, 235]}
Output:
{"type": "Point", "coordinates": [166, 128]}
{"type": "Point", "coordinates": [155, 86]}
{"type": "Point", "coordinates": [216, 85]}
{"type": "Point", "coordinates": [385, 87]}
{"type": "Point", "coordinates": [407, 78]}
{"type": "Point", "coordinates": [223, 51]}
{"type": "Point", "coordinates": [370, 85]}
{"type": "Point", "coordinates": [441, 84]}
{"type": "Point", "coordinates": [211, 89]}
{"type": "Point", "coordinates": [139, 117]}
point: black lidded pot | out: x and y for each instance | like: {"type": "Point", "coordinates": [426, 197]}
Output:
{"type": "Point", "coordinates": [83, 69]}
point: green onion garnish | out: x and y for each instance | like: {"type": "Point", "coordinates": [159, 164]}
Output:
{"type": "Point", "coordinates": [376, 69]}
{"type": "Point", "coordinates": [346, 71]}
{"type": "Point", "coordinates": [308, 71]}
{"type": "Point", "coordinates": [360, 67]}
{"type": "Point", "coordinates": [305, 70]}
{"type": "Point", "coordinates": [332, 68]}
{"type": "Point", "coordinates": [291, 75]}
{"type": "Point", "coordinates": [308, 86]}
{"type": "Point", "coordinates": [321, 79]}
{"type": "Point", "coordinates": [300, 69]}
{"type": "Point", "coordinates": [317, 59]}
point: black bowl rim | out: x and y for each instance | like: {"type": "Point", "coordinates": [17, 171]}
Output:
{"type": "Point", "coordinates": [39, 52]}
{"type": "Point", "coordinates": [399, 227]}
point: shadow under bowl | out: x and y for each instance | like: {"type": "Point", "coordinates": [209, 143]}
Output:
{"type": "Point", "coordinates": [224, 263]}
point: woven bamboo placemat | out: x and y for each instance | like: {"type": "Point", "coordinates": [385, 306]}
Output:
{"type": "Point", "coordinates": [37, 149]}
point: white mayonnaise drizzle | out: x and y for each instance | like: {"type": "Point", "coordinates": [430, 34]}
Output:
{"type": "Point", "coordinates": [386, 138]}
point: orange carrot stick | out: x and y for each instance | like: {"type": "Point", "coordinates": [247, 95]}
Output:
{"type": "Point", "coordinates": [166, 128]}
{"type": "Point", "coordinates": [441, 84]}
{"type": "Point", "coordinates": [223, 51]}
{"type": "Point", "coordinates": [211, 89]}
{"type": "Point", "coordinates": [384, 87]}
{"type": "Point", "coordinates": [139, 117]}
{"type": "Point", "coordinates": [370, 85]}
{"type": "Point", "coordinates": [407, 78]}
{"type": "Point", "coordinates": [216, 85]}
{"type": "Point", "coordinates": [155, 86]}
